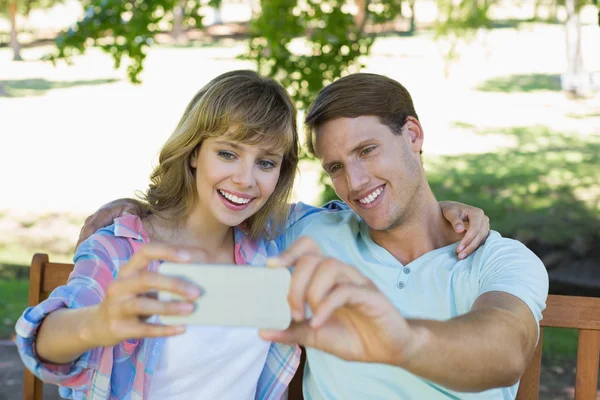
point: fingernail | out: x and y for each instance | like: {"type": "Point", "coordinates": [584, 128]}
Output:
{"type": "Point", "coordinates": [184, 255]}
{"type": "Point", "coordinates": [179, 329]}
{"type": "Point", "coordinates": [194, 291]}
{"type": "Point", "coordinates": [461, 248]}
{"type": "Point", "coordinates": [459, 226]}
{"type": "Point", "coordinates": [297, 315]}
{"type": "Point", "coordinates": [273, 262]}
{"type": "Point", "coordinates": [186, 307]}
{"type": "Point", "coordinates": [463, 255]}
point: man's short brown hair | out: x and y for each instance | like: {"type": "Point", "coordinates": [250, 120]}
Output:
{"type": "Point", "coordinates": [359, 95]}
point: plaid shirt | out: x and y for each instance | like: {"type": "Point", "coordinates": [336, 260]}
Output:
{"type": "Point", "coordinates": [125, 370]}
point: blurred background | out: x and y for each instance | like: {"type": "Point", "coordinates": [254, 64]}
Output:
{"type": "Point", "coordinates": [508, 93]}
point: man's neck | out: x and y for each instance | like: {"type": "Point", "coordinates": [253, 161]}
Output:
{"type": "Point", "coordinates": [425, 230]}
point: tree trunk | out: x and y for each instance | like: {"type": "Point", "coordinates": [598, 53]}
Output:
{"type": "Point", "coordinates": [177, 32]}
{"type": "Point", "coordinates": [574, 80]}
{"type": "Point", "coordinates": [14, 41]}
{"type": "Point", "coordinates": [413, 26]}
{"type": "Point", "coordinates": [218, 16]}
{"type": "Point", "coordinates": [361, 11]}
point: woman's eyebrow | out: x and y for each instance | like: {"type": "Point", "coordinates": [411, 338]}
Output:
{"type": "Point", "coordinates": [237, 146]}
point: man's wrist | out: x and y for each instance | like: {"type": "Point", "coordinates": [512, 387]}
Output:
{"type": "Point", "coordinates": [420, 338]}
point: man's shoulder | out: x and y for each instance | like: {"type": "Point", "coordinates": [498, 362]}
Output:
{"type": "Point", "coordinates": [496, 244]}
{"type": "Point", "coordinates": [338, 218]}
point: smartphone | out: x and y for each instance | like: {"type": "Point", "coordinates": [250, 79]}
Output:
{"type": "Point", "coordinates": [233, 295]}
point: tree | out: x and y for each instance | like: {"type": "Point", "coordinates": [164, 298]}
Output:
{"type": "Point", "coordinates": [14, 8]}
{"type": "Point", "coordinates": [334, 35]}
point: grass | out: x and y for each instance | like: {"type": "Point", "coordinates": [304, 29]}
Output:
{"type": "Point", "coordinates": [39, 86]}
{"type": "Point", "coordinates": [521, 83]}
{"type": "Point", "coordinates": [13, 301]}
{"type": "Point", "coordinates": [547, 185]}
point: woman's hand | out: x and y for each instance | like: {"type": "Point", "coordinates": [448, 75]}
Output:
{"type": "Point", "coordinates": [470, 219]}
{"type": "Point", "coordinates": [122, 313]}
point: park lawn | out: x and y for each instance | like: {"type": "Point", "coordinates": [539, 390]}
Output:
{"type": "Point", "coordinates": [13, 300]}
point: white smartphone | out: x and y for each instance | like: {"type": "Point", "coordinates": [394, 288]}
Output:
{"type": "Point", "coordinates": [233, 295]}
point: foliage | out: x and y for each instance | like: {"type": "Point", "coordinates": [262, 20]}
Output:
{"type": "Point", "coordinates": [24, 7]}
{"type": "Point", "coordinates": [125, 28]}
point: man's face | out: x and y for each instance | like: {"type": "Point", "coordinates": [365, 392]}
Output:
{"type": "Point", "coordinates": [376, 172]}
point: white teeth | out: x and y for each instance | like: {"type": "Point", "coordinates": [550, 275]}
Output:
{"type": "Point", "coordinates": [234, 199]}
{"type": "Point", "coordinates": [368, 199]}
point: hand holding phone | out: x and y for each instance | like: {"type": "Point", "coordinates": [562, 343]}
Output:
{"type": "Point", "coordinates": [233, 295]}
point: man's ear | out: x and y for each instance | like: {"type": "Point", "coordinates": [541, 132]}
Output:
{"type": "Point", "coordinates": [414, 131]}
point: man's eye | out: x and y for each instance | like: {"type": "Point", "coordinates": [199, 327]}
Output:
{"type": "Point", "coordinates": [334, 168]}
{"type": "Point", "coordinates": [226, 155]}
{"type": "Point", "coordinates": [368, 150]}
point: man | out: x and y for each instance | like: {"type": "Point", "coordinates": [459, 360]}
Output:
{"type": "Point", "coordinates": [395, 314]}
{"type": "Point", "coordinates": [384, 285]}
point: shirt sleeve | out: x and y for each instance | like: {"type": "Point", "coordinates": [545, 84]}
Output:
{"type": "Point", "coordinates": [86, 286]}
{"type": "Point", "coordinates": [300, 216]}
{"type": "Point", "coordinates": [510, 267]}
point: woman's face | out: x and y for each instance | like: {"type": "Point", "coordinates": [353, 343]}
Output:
{"type": "Point", "coordinates": [234, 179]}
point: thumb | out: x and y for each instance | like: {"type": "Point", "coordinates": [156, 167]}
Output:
{"type": "Point", "coordinates": [298, 333]}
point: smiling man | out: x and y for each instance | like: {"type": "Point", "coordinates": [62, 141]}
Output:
{"type": "Point", "coordinates": [395, 314]}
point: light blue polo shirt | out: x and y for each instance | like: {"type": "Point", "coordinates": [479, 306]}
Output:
{"type": "Point", "coordinates": [435, 286]}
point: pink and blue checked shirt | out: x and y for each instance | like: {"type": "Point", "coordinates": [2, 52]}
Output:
{"type": "Point", "coordinates": [125, 371]}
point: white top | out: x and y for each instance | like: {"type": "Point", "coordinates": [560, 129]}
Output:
{"type": "Point", "coordinates": [210, 363]}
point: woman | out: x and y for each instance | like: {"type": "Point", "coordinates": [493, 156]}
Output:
{"type": "Point", "coordinates": [223, 181]}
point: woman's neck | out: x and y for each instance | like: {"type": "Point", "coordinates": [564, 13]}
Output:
{"type": "Point", "coordinates": [194, 232]}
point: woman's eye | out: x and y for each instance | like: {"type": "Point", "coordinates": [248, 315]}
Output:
{"type": "Point", "coordinates": [226, 155]}
{"type": "Point", "coordinates": [334, 168]}
{"type": "Point", "coordinates": [265, 164]}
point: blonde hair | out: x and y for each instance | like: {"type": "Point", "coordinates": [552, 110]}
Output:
{"type": "Point", "coordinates": [247, 108]}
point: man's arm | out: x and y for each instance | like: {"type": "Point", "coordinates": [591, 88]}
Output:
{"type": "Point", "coordinates": [488, 347]}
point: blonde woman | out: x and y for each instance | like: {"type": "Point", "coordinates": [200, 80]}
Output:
{"type": "Point", "coordinates": [219, 194]}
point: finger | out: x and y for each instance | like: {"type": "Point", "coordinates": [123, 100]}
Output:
{"type": "Point", "coordinates": [139, 330]}
{"type": "Point", "coordinates": [339, 297]}
{"type": "Point", "coordinates": [330, 274]}
{"type": "Point", "coordinates": [152, 252]}
{"type": "Point", "coordinates": [147, 281]}
{"type": "Point", "coordinates": [301, 278]}
{"type": "Point", "coordinates": [454, 215]}
{"type": "Point", "coordinates": [304, 246]}
{"type": "Point", "coordinates": [472, 246]}
{"type": "Point", "coordinates": [143, 307]}
{"type": "Point", "coordinates": [298, 333]}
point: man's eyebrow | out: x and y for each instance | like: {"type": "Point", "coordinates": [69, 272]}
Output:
{"type": "Point", "coordinates": [237, 146]}
{"type": "Point", "coordinates": [356, 149]}
{"type": "Point", "coordinates": [362, 144]}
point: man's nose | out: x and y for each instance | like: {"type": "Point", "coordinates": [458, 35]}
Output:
{"type": "Point", "coordinates": [357, 177]}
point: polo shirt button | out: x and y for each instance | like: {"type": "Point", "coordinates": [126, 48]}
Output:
{"type": "Point", "coordinates": [400, 285]}
{"type": "Point", "coordinates": [406, 270]}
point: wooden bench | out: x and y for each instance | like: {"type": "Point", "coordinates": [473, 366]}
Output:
{"type": "Point", "coordinates": [582, 313]}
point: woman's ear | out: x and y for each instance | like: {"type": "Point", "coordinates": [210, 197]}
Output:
{"type": "Point", "coordinates": [194, 157]}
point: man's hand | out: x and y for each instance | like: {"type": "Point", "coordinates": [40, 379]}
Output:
{"type": "Point", "coordinates": [470, 219]}
{"type": "Point", "coordinates": [351, 319]}
{"type": "Point", "coordinates": [105, 215]}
